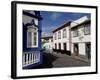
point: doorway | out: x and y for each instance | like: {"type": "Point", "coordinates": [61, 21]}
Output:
{"type": "Point", "coordinates": [64, 46]}
{"type": "Point", "coordinates": [76, 49]}
{"type": "Point", "coordinates": [88, 50]}
{"type": "Point", "coordinates": [59, 46]}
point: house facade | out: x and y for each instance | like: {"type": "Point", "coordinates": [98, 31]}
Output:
{"type": "Point", "coordinates": [81, 37]}
{"type": "Point", "coordinates": [47, 44]}
{"type": "Point", "coordinates": [73, 37]}
{"type": "Point", "coordinates": [61, 39]}
{"type": "Point", "coordinates": [32, 55]}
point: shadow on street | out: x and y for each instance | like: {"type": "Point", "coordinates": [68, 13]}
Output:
{"type": "Point", "coordinates": [48, 59]}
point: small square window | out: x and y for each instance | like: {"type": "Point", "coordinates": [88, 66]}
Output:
{"type": "Point", "coordinates": [87, 29]}
{"type": "Point", "coordinates": [75, 32]}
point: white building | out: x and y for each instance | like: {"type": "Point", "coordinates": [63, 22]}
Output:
{"type": "Point", "coordinates": [74, 37]}
{"type": "Point", "coordinates": [47, 44]}
{"type": "Point", "coordinates": [81, 37]}
{"type": "Point", "coordinates": [61, 38]}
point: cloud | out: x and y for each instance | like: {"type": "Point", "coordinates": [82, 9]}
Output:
{"type": "Point", "coordinates": [48, 28]}
{"type": "Point", "coordinates": [55, 15]}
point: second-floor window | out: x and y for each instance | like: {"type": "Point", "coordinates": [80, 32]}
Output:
{"type": "Point", "coordinates": [32, 37]}
{"type": "Point", "coordinates": [55, 36]}
{"type": "Point", "coordinates": [59, 35]}
{"type": "Point", "coordinates": [87, 29]}
{"type": "Point", "coordinates": [64, 33]}
{"type": "Point", "coordinates": [75, 32]}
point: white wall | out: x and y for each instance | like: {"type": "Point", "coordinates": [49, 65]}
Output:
{"type": "Point", "coordinates": [5, 40]}
{"type": "Point", "coordinates": [62, 40]}
{"type": "Point", "coordinates": [81, 37]}
{"type": "Point", "coordinates": [82, 49]}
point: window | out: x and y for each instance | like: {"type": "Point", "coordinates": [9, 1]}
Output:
{"type": "Point", "coordinates": [32, 37]}
{"type": "Point", "coordinates": [87, 29]}
{"type": "Point", "coordinates": [59, 35]}
{"type": "Point", "coordinates": [64, 33]}
{"type": "Point", "coordinates": [75, 32]}
{"type": "Point", "coordinates": [55, 36]}
{"type": "Point", "coordinates": [29, 38]}
{"type": "Point", "coordinates": [35, 39]}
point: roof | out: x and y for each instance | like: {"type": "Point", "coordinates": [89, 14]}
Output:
{"type": "Point", "coordinates": [62, 26]}
{"type": "Point", "coordinates": [85, 22]}
{"type": "Point", "coordinates": [80, 21]}
{"type": "Point", "coordinates": [32, 15]}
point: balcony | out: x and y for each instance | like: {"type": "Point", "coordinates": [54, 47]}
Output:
{"type": "Point", "coordinates": [30, 58]}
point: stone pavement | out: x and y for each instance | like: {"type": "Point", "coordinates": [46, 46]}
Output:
{"type": "Point", "coordinates": [53, 60]}
{"type": "Point", "coordinates": [82, 58]}
{"type": "Point", "coordinates": [64, 60]}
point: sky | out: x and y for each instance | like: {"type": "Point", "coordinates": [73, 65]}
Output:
{"type": "Point", "coordinates": [52, 20]}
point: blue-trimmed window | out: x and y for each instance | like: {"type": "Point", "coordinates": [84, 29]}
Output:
{"type": "Point", "coordinates": [32, 37]}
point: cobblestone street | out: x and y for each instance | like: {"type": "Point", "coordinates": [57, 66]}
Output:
{"type": "Point", "coordinates": [51, 60]}
{"type": "Point", "coordinates": [64, 60]}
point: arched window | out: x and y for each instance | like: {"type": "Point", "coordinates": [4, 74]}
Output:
{"type": "Point", "coordinates": [32, 37]}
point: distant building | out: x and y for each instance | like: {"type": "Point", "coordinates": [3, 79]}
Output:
{"type": "Point", "coordinates": [32, 55]}
{"type": "Point", "coordinates": [61, 38]}
{"type": "Point", "coordinates": [81, 37]}
{"type": "Point", "coordinates": [47, 44]}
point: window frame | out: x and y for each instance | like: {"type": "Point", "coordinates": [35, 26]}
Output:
{"type": "Point", "coordinates": [59, 34]}
{"type": "Point", "coordinates": [32, 30]}
{"type": "Point", "coordinates": [74, 31]}
{"type": "Point", "coordinates": [64, 33]}
{"type": "Point", "coordinates": [55, 36]}
{"type": "Point", "coordinates": [87, 27]}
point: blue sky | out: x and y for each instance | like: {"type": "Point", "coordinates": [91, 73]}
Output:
{"type": "Point", "coordinates": [52, 20]}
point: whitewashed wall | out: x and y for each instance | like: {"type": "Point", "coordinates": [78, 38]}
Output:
{"type": "Point", "coordinates": [62, 40]}
{"type": "Point", "coordinates": [81, 39]}
{"type": "Point", "coordinates": [82, 49]}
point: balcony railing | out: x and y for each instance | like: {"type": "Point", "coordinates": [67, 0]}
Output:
{"type": "Point", "coordinates": [30, 58]}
